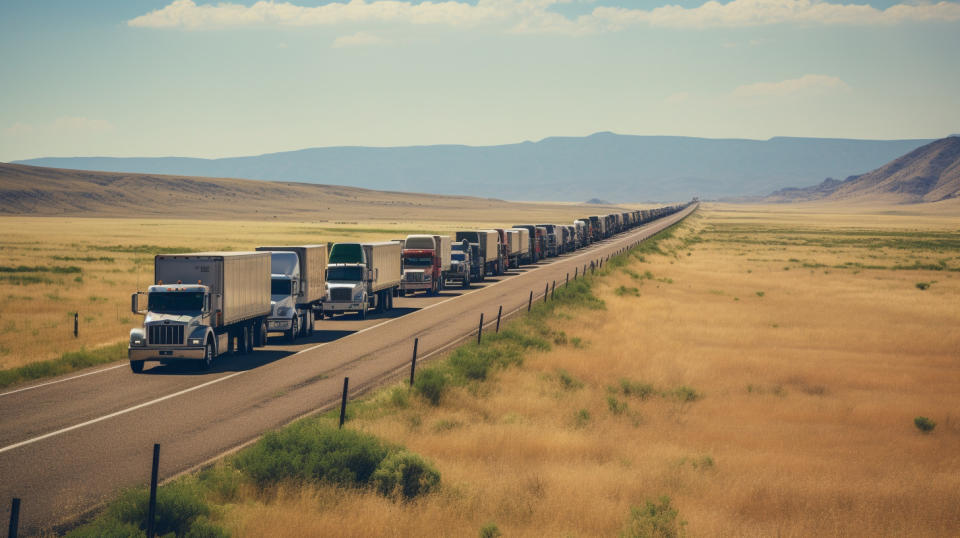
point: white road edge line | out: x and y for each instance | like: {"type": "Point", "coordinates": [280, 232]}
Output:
{"type": "Point", "coordinates": [117, 413]}
{"type": "Point", "coordinates": [62, 380]}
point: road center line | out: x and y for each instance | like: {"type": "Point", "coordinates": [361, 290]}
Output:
{"type": "Point", "coordinates": [62, 380]}
{"type": "Point", "coordinates": [117, 413]}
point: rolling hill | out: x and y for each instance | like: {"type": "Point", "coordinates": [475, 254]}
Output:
{"type": "Point", "coordinates": [39, 191]}
{"type": "Point", "coordinates": [930, 173]}
{"type": "Point", "coordinates": [606, 166]}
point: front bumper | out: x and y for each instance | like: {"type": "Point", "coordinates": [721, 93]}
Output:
{"type": "Point", "coordinates": [343, 307]}
{"type": "Point", "coordinates": [279, 324]}
{"type": "Point", "coordinates": [409, 286]}
{"type": "Point", "coordinates": [164, 353]}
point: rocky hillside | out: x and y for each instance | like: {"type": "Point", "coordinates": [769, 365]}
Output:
{"type": "Point", "coordinates": [930, 173]}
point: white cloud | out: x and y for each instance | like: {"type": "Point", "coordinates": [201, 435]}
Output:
{"type": "Point", "coordinates": [536, 16]}
{"type": "Point", "coordinates": [807, 84]}
{"type": "Point", "coordinates": [359, 39]}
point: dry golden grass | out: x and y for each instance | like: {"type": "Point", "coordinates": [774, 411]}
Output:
{"type": "Point", "coordinates": [804, 426]}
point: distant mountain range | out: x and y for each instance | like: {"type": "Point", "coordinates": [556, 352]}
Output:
{"type": "Point", "coordinates": [930, 173]}
{"type": "Point", "coordinates": [607, 166]}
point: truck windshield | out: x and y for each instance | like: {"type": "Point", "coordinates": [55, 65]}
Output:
{"type": "Point", "coordinates": [458, 256]}
{"type": "Point", "coordinates": [174, 302]}
{"type": "Point", "coordinates": [472, 237]}
{"type": "Point", "coordinates": [418, 261]}
{"type": "Point", "coordinates": [345, 274]}
{"type": "Point", "coordinates": [280, 286]}
{"type": "Point", "coordinates": [346, 253]}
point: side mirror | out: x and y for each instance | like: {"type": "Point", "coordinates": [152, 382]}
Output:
{"type": "Point", "coordinates": [376, 273]}
{"type": "Point", "coordinates": [135, 304]}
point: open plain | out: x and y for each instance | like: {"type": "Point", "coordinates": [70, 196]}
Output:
{"type": "Point", "coordinates": [762, 368]}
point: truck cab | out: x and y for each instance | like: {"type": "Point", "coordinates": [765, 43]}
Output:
{"type": "Point", "coordinates": [422, 266]}
{"type": "Point", "coordinates": [347, 276]}
{"type": "Point", "coordinates": [176, 324]}
{"type": "Point", "coordinates": [462, 263]}
{"type": "Point", "coordinates": [285, 317]}
{"type": "Point", "coordinates": [554, 240]}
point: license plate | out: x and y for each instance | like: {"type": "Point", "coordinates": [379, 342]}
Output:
{"type": "Point", "coordinates": [166, 353]}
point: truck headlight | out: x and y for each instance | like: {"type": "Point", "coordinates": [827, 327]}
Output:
{"type": "Point", "coordinates": [137, 338]}
{"type": "Point", "coordinates": [284, 311]}
{"type": "Point", "coordinates": [358, 297]}
{"type": "Point", "coordinates": [195, 341]}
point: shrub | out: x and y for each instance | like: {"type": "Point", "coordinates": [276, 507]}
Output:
{"type": "Point", "coordinates": [178, 505]}
{"type": "Point", "coordinates": [686, 394]}
{"type": "Point", "coordinates": [405, 475]}
{"type": "Point", "coordinates": [204, 528]}
{"type": "Point", "coordinates": [310, 452]}
{"type": "Point", "coordinates": [923, 285]}
{"type": "Point", "coordinates": [760, 294]}
{"type": "Point", "coordinates": [924, 424]}
{"type": "Point", "coordinates": [568, 381]}
{"type": "Point", "coordinates": [623, 290]}
{"type": "Point", "coordinates": [582, 418]}
{"type": "Point", "coordinates": [631, 388]}
{"type": "Point", "coordinates": [400, 397]}
{"type": "Point", "coordinates": [654, 520]}
{"type": "Point", "coordinates": [431, 384]}
{"type": "Point", "coordinates": [616, 406]}
{"type": "Point", "coordinates": [490, 530]}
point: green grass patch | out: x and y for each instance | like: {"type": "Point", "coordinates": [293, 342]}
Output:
{"type": "Point", "coordinates": [60, 269]}
{"type": "Point", "coordinates": [66, 363]}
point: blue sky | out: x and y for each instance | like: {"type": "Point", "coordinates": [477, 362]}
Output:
{"type": "Point", "coordinates": [212, 79]}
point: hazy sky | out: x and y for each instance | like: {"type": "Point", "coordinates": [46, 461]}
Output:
{"type": "Point", "coordinates": [212, 79]}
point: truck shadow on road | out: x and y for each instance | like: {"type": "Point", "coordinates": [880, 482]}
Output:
{"type": "Point", "coordinates": [224, 363]}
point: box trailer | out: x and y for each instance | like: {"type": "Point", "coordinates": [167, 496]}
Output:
{"type": "Point", "coordinates": [200, 303]}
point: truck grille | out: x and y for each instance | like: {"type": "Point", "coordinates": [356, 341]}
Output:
{"type": "Point", "coordinates": [340, 294]}
{"type": "Point", "coordinates": [166, 335]}
{"type": "Point", "coordinates": [414, 277]}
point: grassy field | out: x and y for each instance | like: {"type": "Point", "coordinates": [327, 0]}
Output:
{"type": "Point", "coordinates": [756, 373]}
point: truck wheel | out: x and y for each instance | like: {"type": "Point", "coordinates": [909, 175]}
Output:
{"type": "Point", "coordinates": [310, 320]}
{"type": "Point", "coordinates": [294, 329]}
{"type": "Point", "coordinates": [251, 337]}
{"type": "Point", "coordinates": [466, 281]}
{"type": "Point", "coordinates": [206, 362]}
{"type": "Point", "coordinates": [242, 340]}
{"type": "Point", "coordinates": [136, 366]}
{"type": "Point", "coordinates": [390, 301]}
{"type": "Point", "coordinates": [363, 313]}
{"type": "Point", "coordinates": [261, 334]}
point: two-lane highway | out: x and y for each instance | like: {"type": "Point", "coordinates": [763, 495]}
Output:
{"type": "Point", "coordinates": [68, 444]}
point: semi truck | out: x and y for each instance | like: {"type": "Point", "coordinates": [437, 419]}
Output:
{"type": "Point", "coordinates": [553, 239]}
{"type": "Point", "coordinates": [426, 261]}
{"type": "Point", "coordinates": [462, 263]}
{"type": "Point", "coordinates": [488, 243]}
{"type": "Point", "coordinates": [199, 305]}
{"type": "Point", "coordinates": [519, 241]}
{"type": "Point", "coordinates": [583, 232]}
{"type": "Point", "coordinates": [362, 277]}
{"type": "Point", "coordinates": [534, 253]}
{"type": "Point", "coordinates": [297, 288]}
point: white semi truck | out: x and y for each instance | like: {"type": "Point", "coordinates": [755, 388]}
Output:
{"type": "Point", "coordinates": [362, 277]}
{"type": "Point", "coordinates": [297, 288]}
{"type": "Point", "coordinates": [199, 305]}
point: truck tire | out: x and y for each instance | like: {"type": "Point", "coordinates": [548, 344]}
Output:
{"type": "Point", "coordinates": [136, 366]}
{"type": "Point", "coordinates": [390, 302]}
{"type": "Point", "coordinates": [294, 329]}
{"type": "Point", "coordinates": [363, 313]}
{"type": "Point", "coordinates": [206, 362]}
{"type": "Point", "coordinates": [243, 340]}
{"type": "Point", "coordinates": [310, 320]}
{"type": "Point", "coordinates": [262, 334]}
{"type": "Point", "coordinates": [466, 281]}
{"type": "Point", "coordinates": [251, 337]}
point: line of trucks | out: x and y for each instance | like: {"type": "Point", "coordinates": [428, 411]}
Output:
{"type": "Point", "coordinates": [206, 304]}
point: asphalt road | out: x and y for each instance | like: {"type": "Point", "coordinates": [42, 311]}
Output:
{"type": "Point", "coordinates": [69, 444]}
